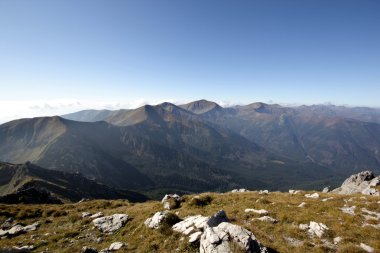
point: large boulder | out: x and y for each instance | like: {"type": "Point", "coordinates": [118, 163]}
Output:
{"type": "Point", "coordinates": [216, 234]}
{"type": "Point", "coordinates": [110, 224]}
{"type": "Point", "coordinates": [364, 182]}
{"type": "Point", "coordinates": [161, 218]}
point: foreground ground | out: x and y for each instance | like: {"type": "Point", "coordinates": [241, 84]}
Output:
{"type": "Point", "coordinates": [63, 229]}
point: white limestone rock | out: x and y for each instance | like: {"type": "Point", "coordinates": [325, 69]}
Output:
{"type": "Point", "coordinates": [261, 211]}
{"type": "Point", "coordinates": [367, 248]}
{"type": "Point", "coordinates": [312, 196]}
{"type": "Point", "coordinates": [267, 219]}
{"type": "Point", "coordinates": [195, 236]}
{"type": "Point", "coordinates": [348, 210]}
{"type": "Point", "coordinates": [363, 182]}
{"type": "Point", "coordinates": [97, 215]}
{"type": "Point", "coordinates": [302, 204]}
{"type": "Point", "coordinates": [110, 224]}
{"type": "Point", "coordinates": [156, 220]}
{"type": "Point", "coordinates": [263, 192]}
{"type": "Point", "coordinates": [116, 246]}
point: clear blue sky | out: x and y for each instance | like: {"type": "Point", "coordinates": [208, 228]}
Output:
{"type": "Point", "coordinates": [285, 51]}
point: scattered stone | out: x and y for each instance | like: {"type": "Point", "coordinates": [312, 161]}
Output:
{"type": "Point", "coordinates": [261, 211]}
{"type": "Point", "coordinates": [156, 220]}
{"type": "Point", "coordinates": [23, 249]}
{"type": "Point", "coordinates": [18, 229]}
{"type": "Point", "coordinates": [337, 240]}
{"type": "Point", "coordinates": [367, 248]}
{"type": "Point", "coordinates": [110, 224]}
{"type": "Point", "coordinates": [326, 189]}
{"type": "Point", "coordinates": [116, 246]}
{"type": "Point", "coordinates": [312, 196]}
{"type": "Point", "coordinates": [294, 192]}
{"type": "Point", "coordinates": [171, 201]}
{"type": "Point", "coordinates": [97, 215]}
{"type": "Point", "coordinates": [364, 182]}
{"type": "Point", "coordinates": [89, 250]}
{"type": "Point", "coordinates": [86, 214]}
{"type": "Point", "coordinates": [267, 219]}
{"type": "Point", "coordinates": [314, 228]}
{"type": "Point", "coordinates": [195, 236]}
{"type": "Point", "coordinates": [371, 215]}
{"type": "Point", "coordinates": [348, 210]}
{"type": "Point", "coordinates": [302, 204]}
{"type": "Point", "coordinates": [240, 190]}
{"type": "Point", "coordinates": [263, 192]}
{"type": "Point", "coordinates": [327, 199]}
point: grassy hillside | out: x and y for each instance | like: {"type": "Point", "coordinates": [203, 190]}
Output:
{"type": "Point", "coordinates": [63, 230]}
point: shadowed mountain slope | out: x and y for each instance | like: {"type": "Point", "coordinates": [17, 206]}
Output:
{"type": "Point", "coordinates": [28, 183]}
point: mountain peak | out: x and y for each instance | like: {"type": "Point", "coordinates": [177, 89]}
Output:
{"type": "Point", "coordinates": [201, 106]}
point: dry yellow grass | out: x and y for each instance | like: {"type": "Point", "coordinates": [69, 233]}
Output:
{"type": "Point", "coordinates": [63, 230]}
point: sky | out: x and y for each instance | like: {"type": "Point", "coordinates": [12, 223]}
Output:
{"type": "Point", "coordinates": [63, 56]}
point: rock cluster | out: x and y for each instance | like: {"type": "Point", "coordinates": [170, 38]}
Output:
{"type": "Point", "coordinates": [363, 182]}
{"type": "Point", "coordinates": [240, 190]}
{"type": "Point", "coordinates": [18, 229]}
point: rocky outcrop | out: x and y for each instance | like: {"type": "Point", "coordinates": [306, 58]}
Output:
{"type": "Point", "coordinates": [364, 182]}
{"type": "Point", "coordinates": [216, 233]}
{"type": "Point", "coordinates": [171, 201]}
{"type": "Point", "coordinates": [217, 239]}
{"type": "Point", "coordinates": [110, 224]}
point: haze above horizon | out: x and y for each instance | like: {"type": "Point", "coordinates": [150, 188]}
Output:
{"type": "Point", "coordinates": [57, 57]}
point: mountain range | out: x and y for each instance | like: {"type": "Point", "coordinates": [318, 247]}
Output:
{"type": "Point", "coordinates": [201, 145]}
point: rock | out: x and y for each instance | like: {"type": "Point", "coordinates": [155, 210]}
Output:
{"type": "Point", "coordinates": [116, 246]}
{"type": "Point", "coordinates": [363, 182]}
{"type": "Point", "coordinates": [195, 236]}
{"type": "Point", "coordinates": [195, 223]}
{"type": "Point", "coordinates": [171, 201]}
{"type": "Point", "coordinates": [303, 226]}
{"type": "Point", "coordinates": [368, 215]}
{"type": "Point", "coordinates": [367, 248]}
{"type": "Point", "coordinates": [337, 240]}
{"type": "Point", "coordinates": [327, 199]}
{"type": "Point", "coordinates": [97, 215]}
{"type": "Point", "coordinates": [312, 196]}
{"type": "Point", "coordinates": [348, 210]}
{"type": "Point", "coordinates": [302, 204]}
{"type": "Point", "coordinates": [263, 192]}
{"type": "Point", "coordinates": [110, 224]}
{"type": "Point", "coordinates": [326, 189]}
{"type": "Point", "coordinates": [294, 192]}
{"type": "Point", "coordinates": [217, 218]}
{"type": "Point", "coordinates": [216, 239]}
{"type": "Point", "coordinates": [7, 224]}
{"type": "Point", "coordinates": [86, 214]}
{"type": "Point", "coordinates": [32, 227]}
{"type": "Point", "coordinates": [89, 250]}
{"type": "Point", "coordinates": [261, 211]}
{"type": "Point", "coordinates": [240, 190]}
{"type": "Point", "coordinates": [24, 249]}
{"type": "Point", "coordinates": [267, 219]}
{"type": "Point", "coordinates": [317, 229]}
{"type": "Point", "coordinates": [156, 220]}
{"type": "Point", "coordinates": [16, 230]}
